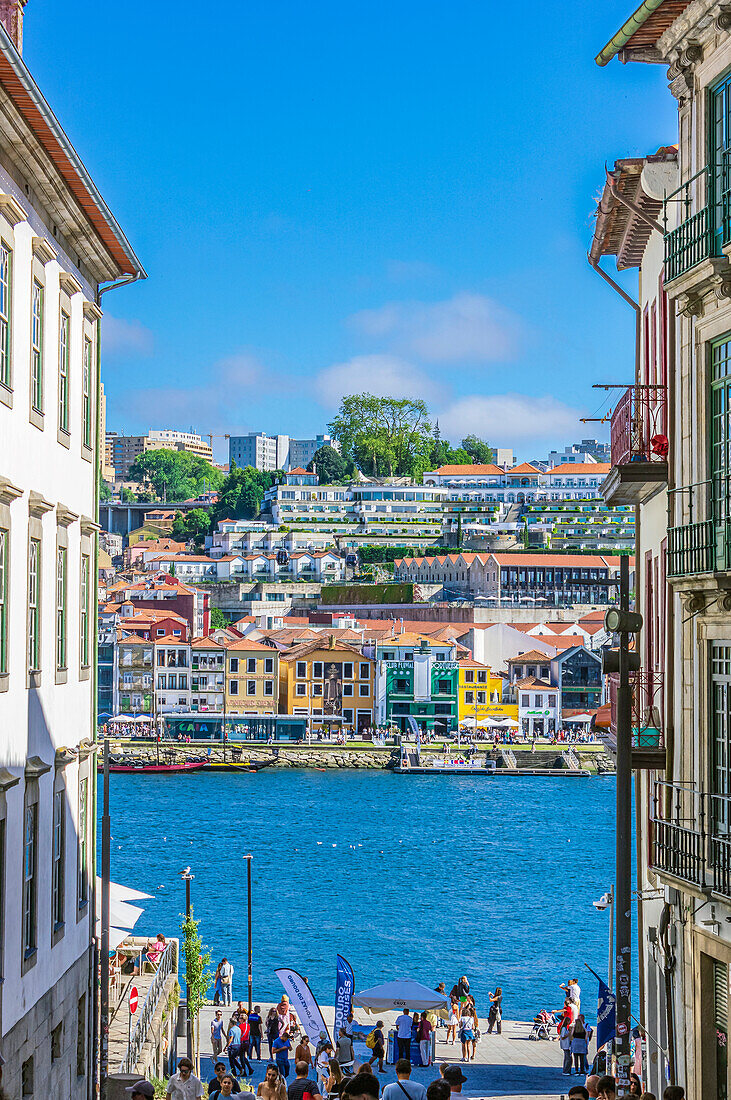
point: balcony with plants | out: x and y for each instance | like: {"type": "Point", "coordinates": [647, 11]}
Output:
{"type": "Point", "coordinates": [648, 725]}
{"type": "Point", "coordinates": [639, 446]}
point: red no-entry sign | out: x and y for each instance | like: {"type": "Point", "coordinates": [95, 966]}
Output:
{"type": "Point", "coordinates": [133, 999]}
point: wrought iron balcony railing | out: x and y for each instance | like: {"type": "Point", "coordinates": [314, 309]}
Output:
{"type": "Point", "coordinates": [692, 542]}
{"type": "Point", "coordinates": [691, 836]}
{"type": "Point", "coordinates": [693, 239]}
{"type": "Point", "coordinates": [648, 725]}
{"type": "Point", "coordinates": [639, 431]}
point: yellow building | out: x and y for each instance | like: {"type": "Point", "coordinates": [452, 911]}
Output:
{"type": "Point", "coordinates": [252, 678]}
{"type": "Point", "coordinates": [481, 692]}
{"type": "Point", "coordinates": [332, 685]}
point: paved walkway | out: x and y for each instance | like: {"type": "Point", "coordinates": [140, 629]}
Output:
{"type": "Point", "coordinates": [506, 1067]}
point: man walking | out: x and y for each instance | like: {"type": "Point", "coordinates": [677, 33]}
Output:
{"type": "Point", "coordinates": [217, 1033]}
{"type": "Point", "coordinates": [455, 1078]}
{"type": "Point", "coordinates": [413, 1089]}
{"type": "Point", "coordinates": [183, 1085]}
{"type": "Point", "coordinates": [226, 974]}
{"type": "Point", "coordinates": [234, 1048]}
{"type": "Point", "coordinates": [302, 1088]}
{"type": "Point", "coordinates": [344, 1053]}
{"type": "Point", "coordinates": [403, 1035]}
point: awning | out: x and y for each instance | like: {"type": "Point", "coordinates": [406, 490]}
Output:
{"type": "Point", "coordinates": [404, 993]}
{"type": "Point", "coordinates": [578, 718]}
{"type": "Point", "coordinates": [122, 915]}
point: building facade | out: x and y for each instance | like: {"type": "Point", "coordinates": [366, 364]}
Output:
{"type": "Point", "coordinates": [331, 683]}
{"type": "Point", "coordinates": [124, 449]}
{"type": "Point", "coordinates": [252, 678]}
{"type": "Point", "coordinates": [481, 694]}
{"type": "Point", "coordinates": [417, 678]}
{"type": "Point", "coordinates": [58, 244]}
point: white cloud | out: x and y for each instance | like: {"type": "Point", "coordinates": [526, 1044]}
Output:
{"type": "Point", "coordinates": [385, 375]}
{"type": "Point", "coordinates": [466, 328]}
{"type": "Point", "coordinates": [121, 337]}
{"type": "Point", "coordinates": [507, 418]}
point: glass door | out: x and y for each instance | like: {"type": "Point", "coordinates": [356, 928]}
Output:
{"type": "Point", "coordinates": [719, 181]}
{"type": "Point", "coordinates": [720, 367]}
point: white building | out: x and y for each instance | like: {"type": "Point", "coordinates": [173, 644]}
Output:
{"type": "Point", "coordinates": [58, 243]}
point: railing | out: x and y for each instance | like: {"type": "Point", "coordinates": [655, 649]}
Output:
{"type": "Point", "coordinates": [166, 966]}
{"type": "Point", "coordinates": [648, 728]}
{"type": "Point", "coordinates": [692, 241]}
{"type": "Point", "coordinates": [691, 545]}
{"type": "Point", "coordinates": [691, 836]}
{"type": "Point", "coordinates": [639, 432]}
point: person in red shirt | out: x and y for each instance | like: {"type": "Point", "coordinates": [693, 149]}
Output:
{"type": "Point", "coordinates": [245, 1039]}
{"type": "Point", "coordinates": [424, 1031]}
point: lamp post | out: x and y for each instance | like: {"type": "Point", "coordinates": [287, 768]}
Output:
{"type": "Point", "coordinates": [606, 901]}
{"type": "Point", "coordinates": [187, 878]}
{"type": "Point", "coordinates": [248, 859]}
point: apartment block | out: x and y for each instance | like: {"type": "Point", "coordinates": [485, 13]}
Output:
{"type": "Point", "coordinates": [275, 452]}
{"type": "Point", "coordinates": [124, 449]}
{"type": "Point", "coordinates": [59, 243]}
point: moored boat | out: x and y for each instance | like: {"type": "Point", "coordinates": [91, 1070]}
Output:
{"type": "Point", "coordinates": [183, 766]}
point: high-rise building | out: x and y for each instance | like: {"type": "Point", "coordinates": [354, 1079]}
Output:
{"type": "Point", "coordinates": [587, 450]}
{"type": "Point", "coordinates": [275, 452]}
{"type": "Point", "coordinates": [126, 448]}
{"type": "Point", "coordinates": [58, 244]}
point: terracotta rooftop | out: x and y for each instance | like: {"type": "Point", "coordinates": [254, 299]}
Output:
{"type": "Point", "coordinates": [534, 656]}
{"type": "Point", "coordinates": [581, 468]}
{"type": "Point", "coordinates": [488, 468]}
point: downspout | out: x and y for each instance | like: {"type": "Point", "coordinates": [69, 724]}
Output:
{"type": "Point", "coordinates": [100, 952]}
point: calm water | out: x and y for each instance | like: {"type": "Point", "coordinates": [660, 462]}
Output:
{"type": "Point", "coordinates": [425, 877]}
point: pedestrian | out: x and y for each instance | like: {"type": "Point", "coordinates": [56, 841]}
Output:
{"type": "Point", "coordinates": [272, 1027]}
{"type": "Point", "coordinates": [438, 1090]}
{"type": "Point", "coordinates": [580, 1048]}
{"type": "Point", "coordinates": [592, 1085]}
{"type": "Point", "coordinates": [217, 986]}
{"type": "Point", "coordinates": [302, 1052]}
{"type": "Point", "coordinates": [453, 1024]}
{"type": "Point", "coordinates": [227, 1088]}
{"type": "Point", "coordinates": [362, 1086]}
{"type": "Point", "coordinates": [635, 1085]}
{"type": "Point", "coordinates": [217, 1033]}
{"type": "Point", "coordinates": [578, 1092]}
{"type": "Point", "coordinates": [455, 1078]}
{"type": "Point", "coordinates": [333, 1083]}
{"type": "Point", "coordinates": [606, 1089]}
{"type": "Point", "coordinates": [214, 1085]}
{"type": "Point", "coordinates": [403, 1084]}
{"type": "Point", "coordinates": [245, 1031]}
{"type": "Point", "coordinates": [273, 1087]}
{"type": "Point", "coordinates": [226, 974]}
{"type": "Point", "coordinates": [302, 1088]}
{"type": "Point", "coordinates": [466, 1033]}
{"type": "Point", "coordinates": [378, 1046]}
{"type": "Point", "coordinates": [564, 1041]}
{"type": "Point", "coordinates": [495, 1016]}
{"type": "Point", "coordinates": [233, 1047]}
{"type": "Point", "coordinates": [141, 1090]}
{"type": "Point", "coordinates": [573, 993]}
{"type": "Point", "coordinates": [281, 1047]}
{"type": "Point", "coordinates": [674, 1092]}
{"type": "Point", "coordinates": [344, 1052]}
{"type": "Point", "coordinates": [648, 1096]}
{"type": "Point", "coordinates": [183, 1085]}
{"type": "Point", "coordinates": [403, 1035]}
{"type": "Point", "coordinates": [424, 1037]}
{"type": "Point", "coordinates": [255, 1030]}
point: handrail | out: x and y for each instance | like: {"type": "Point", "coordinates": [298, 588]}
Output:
{"type": "Point", "coordinates": [686, 183]}
{"type": "Point", "coordinates": [166, 964]}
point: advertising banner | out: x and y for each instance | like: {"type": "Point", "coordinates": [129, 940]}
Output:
{"type": "Point", "coordinates": [344, 987]}
{"type": "Point", "coordinates": [605, 1015]}
{"type": "Point", "coordinates": [303, 1003]}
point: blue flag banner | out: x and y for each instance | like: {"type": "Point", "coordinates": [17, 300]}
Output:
{"type": "Point", "coordinates": [605, 1015]}
{"type": "Point", "coordinates": [344, 987]}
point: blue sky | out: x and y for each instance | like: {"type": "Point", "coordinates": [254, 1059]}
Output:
{"type": "Point", "coordinates": [332, 197]}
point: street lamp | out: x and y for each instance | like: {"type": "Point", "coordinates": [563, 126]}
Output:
{"type": "Point", "coordinates": [187, 877]}
{"type": "Point", "coordinates": [248, 859]}
{"type": "Point", "coordinates": [606, 901]}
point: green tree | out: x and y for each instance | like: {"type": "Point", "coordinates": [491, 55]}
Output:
{"type": "Point", "coordinates": [218, 619]}
{"type": "Point", "coordinates": [384, 436]}
{"type": "Point", "coordinates": [197, 969]}
{"type": "Point", "coordinates": [479, 451]}
{"type": "Point", "coordinates": [242, 492]}
{"type": "Point", "coordinates": [175, 475]}
{"type": "Point", "coordinates": [195, 525]}
{"type": "Point", "coordinates": [105, 493]}
{"type": "Point", "coordinates": [329, 465]}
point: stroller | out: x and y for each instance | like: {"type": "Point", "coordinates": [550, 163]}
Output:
{"type": "Point", "coordinates": [543, 1024]}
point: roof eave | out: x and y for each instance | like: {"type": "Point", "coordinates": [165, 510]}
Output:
{"type": "Point", "coordinates": [623, 35]}
{"type": "Point", "coordinates": [20, 71]}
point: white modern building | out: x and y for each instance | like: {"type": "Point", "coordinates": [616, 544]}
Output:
{"type": "Point", "coordinates": [584, 452]}
{"type": "Point", "coordinates": [58, 244]}
{"type": "Point", "coordinates": [275, 452]}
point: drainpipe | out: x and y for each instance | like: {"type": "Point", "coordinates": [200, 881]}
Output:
{"type": "Point", "coordinates": [669, 966]}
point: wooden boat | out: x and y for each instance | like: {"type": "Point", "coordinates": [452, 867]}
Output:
{"type": "Point", "coordinates": [238, 765]}
{"type": "Point", "coordinates": [184, 766]}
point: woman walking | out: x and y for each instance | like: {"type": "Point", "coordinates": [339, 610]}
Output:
{"type": "Point", "coordinates": [466, 1034]}
{"type": "Point", "coordinates": [379, 1047]}
{"type": "Point", "coordinates": [217, 985]}
{"type": "Point", "coordinates": [452, 1025]}
{"type": "Point", "coordinates": [495, 1017]}
{"type": "Point", "coordinates": [580, 1045]}
{"type": "Point", "coordinates": [272, 1026]}
{"type": "Point", "coordinates": [424, 1036]}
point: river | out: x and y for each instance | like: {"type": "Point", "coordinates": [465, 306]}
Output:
{"type": "Point", "coordinates": [428, 877]}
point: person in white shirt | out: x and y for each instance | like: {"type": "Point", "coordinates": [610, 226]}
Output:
{"type": "Point", "coordinates": [403, 1035]}
{"type": "Point", "coordinates": [226, 974]}
{"type": "Point", "coordinates": [573, 991]}
{"type": "Point", "coordinates": [183, 1085]}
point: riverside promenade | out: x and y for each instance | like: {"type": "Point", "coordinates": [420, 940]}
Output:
{"type": "Point", "coordinates": [506, 1067]}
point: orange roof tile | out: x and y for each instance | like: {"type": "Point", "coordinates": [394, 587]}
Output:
{"type": "Point", "coordinates": [581, 468]}
{"type": "Point", "coordinates": [245, 645]}
{"type": "Point", "coordinates": [523, 468]}
{"type": "Point", "coordinates": [533, 655]}
{"type": "Point", "coordinates": [488, 468]}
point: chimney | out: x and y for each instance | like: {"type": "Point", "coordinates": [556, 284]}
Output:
{"type": "Point", "coordinates": [11, 17]}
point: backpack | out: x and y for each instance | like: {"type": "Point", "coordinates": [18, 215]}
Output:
{"type": "Point", "coordinates": [371, 1040]}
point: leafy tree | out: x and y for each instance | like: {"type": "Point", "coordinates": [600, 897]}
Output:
{"type": "Point", "coordinates": [126, 495]}
{"type": "Point", "coordinates": [479, 451]}
{"type": "Point", "coordinates": [384, 436]}
{"type": "Point", "coordinates": [218, 619]}
{"type": "Point", "coordinates": [197, 968]}
{"type": "Point", "coordinates": [175, 475]}
{"type": "Point", "coordinates": [242, 492]}
{"type": "Point", "coordinates": [195, 525]}
{"type": "Point", "coordinates": [105, 493]}
{"type": "Point", "coordinates": [329, 465]}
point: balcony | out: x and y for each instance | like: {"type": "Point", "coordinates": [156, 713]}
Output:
{"type": "Point", "coordinates": [691, 837]}
{"type": "Point", "coordinates": [692, 543]}
{"type": "Point", "coordinates": [648, 727]}
{"type": "Point", "coordinates": [639, 446]}
{"type": "Point", "coordinates": [694, 250]}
